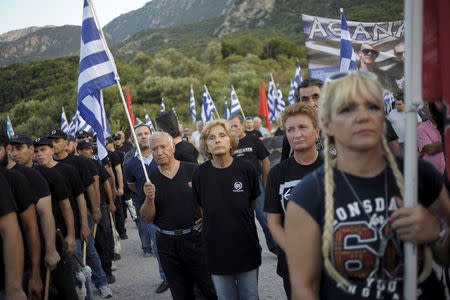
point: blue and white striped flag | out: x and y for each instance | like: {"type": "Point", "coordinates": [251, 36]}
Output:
{"type": "Point", "coordinates": [388, 99]}
{"type": "Point", "coordinates": [235, 104]}
{"type": "Point", "coordinates": [298, 75]}
{"type": "Point", "coordinates": [272, 99]}
{"type": "Point", "coordinates": [97, 70]}
{"type": "Point", "coordinates": [138, 122]}
{"type": "Point", "coordinates": [163, 105]}
{"type": "Point", "coordinates": [192, 105]}
{"type": "Point", "coordinates": [280, 102]}
{"type": "Point", "coordinates": [226, 111]}
{"type": "Point", "coordinates": [64, 122]}
{"type": "Point", "coordinates": [347, 55]}
{"type": "Point", "coordinates": [208, 107]}
{"type": "Point", "coordinates": [9, 128]}
{"type": "Point", "coordinates": [148, 121]}
{"type": "Point", "coordinates": [291, 96]}
{"type": "Point", "coordinates": [73, 125]}
{"type": "Point", "coordinates": [81, 124]}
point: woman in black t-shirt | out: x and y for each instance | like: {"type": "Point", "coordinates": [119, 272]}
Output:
{"type": "Point", "coordinates": [300, 123]}
{"type": "Point", "coordinates": [345, 223]}
{"type": "Point", "coordinates": [226, 188]}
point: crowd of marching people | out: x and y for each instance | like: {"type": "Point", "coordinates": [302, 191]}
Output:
{"type": "Point", "coordinates": [331, 209]}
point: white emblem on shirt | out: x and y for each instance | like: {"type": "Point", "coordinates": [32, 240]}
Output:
{"type": "Point", "coordinates": [238, 187]}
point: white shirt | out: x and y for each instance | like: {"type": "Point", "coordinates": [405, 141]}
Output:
{"type": "Point", "coordinates": [196, 138]}
{"type": "Point", "coordinates": [147, 160]}
{"type": "Point", "coordinates": [265, 132]}
{"type": "Point", "coordinates": [398, 121]}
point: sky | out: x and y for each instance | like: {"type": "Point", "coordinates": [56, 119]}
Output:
{"type": "Point", "coordinates": [17, 14]}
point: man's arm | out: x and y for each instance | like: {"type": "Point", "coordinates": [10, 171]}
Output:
{"type": "Point", "coordinates": [275, 223]}
{"type": "Point", "coordinates": [148, 207]}
{"type": "Point", "coordinates": [132, 187]}
{"type": "Point", "coordinates": [94, 196]}
{"type": "Point", "coordinates": [110, 196]}
{"type": "Point", "coordinates": [395, 148]}
{"type": "Point", "coordinates": [12, 256]}
{"type": "Point", "coordinates": [433, 148]}
{"type": "Point", "coordinates": [119, 180]}
{"type": "Point", "coordinates": [67, 212]}
{"type": "Point", "coordinates": [82, 208]}
{"type": "Point", "coordinates": [265, 164]}
{"type": "Point", "coordinates": [47, 221]}
{"type": "Point", "coordinates": [112, 180]}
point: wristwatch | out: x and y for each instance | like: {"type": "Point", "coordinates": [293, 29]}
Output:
{"type": "Point", "coordinates": [442, 236]}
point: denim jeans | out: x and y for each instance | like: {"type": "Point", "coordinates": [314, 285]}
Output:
{"type": "Point", "coordinates": [93, 261]}
{"type": "Point", "coordinates": [261, 216]}
{"type": "Point", "coordinates": [142, 229]}
{"type": "Point", "coordinates": [151, 229]}
{"type": "Point", "coordinates": [241, 286]}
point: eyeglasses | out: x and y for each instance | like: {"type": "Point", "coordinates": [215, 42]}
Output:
{"type": "Point", "coordinates": [340, 75]}
{"type": "Point", "coordinates": [370, 51]}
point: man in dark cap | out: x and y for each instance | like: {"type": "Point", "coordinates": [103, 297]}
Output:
{"type": "Point", "coordinates": [71, 144]}
{"type": "Point", "coordinates": [82, 135]}
{"type": "Point", "coordinates": [121, 143]}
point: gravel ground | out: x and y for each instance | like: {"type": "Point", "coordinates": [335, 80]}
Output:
{"type": "Point", "coordinates": [137, 276]}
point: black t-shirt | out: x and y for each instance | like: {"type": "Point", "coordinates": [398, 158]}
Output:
{"type": "Point", "coordinates": [38, 185]}
{"type": "Point", "coordinates": [185, 151]}
{"type": "Point", "coordinates": [282, 178]}
{"type": "Point", "coordinates": [126, 146]}
{"type": "Point", "coordinates": [253, 150]}
{"type": "Point", "coordinates": [7, 205]}
{"type": "Point", "coordinates": [58, 190]}
{"type": "Point", "coordinates": [103, 176]}
{"type": "Point", "coordinates": [286, 150]}
{"type": "Point", "coordinates": [75, 188]}
{"type": "Point", "coordinates": [360, 228]}
{"type": "Point", "coordinates": [80, 164]}
{"type": "Point", "coordinates": [229, 229]}
{"type": "Point", "coordinates": [255, 133]}
{"type": "Point", "coordinates": [20, 189]}
{"type": "Point", "coordinates": [390, 134]}
{"type": "Point", "coordinates": [174, 202]}
{"type": "Point", "coordinates": [115, 160]}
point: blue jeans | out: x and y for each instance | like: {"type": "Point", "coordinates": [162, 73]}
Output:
{"type": "Point", "coordinates": [93, 261]}
{"type": "Point", "coordinates": [142, 228]}
{"type": "Point", "coordinates": [151, 229]}
{"type": "Point", "coordinates": [261, 216]}
{"type": "Point", "coordinates": [242, 286]}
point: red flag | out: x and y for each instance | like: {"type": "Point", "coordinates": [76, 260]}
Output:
{"type": "Point", "coordinates": [130, 109]}
{"type": "Point", "coordinates": [263, 110]}
{"type": "Point", "coordinates": [436, 62]}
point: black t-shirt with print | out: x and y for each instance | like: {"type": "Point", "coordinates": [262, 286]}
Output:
{"type": "Point", "coordinates": [58, 191]}
{"type": "Point", "coordinates": [364, 249]}
{"type": "Point", "coordinates": [174, 202]}
{"type": "Point", "coordinates": [253, 150]}
{"type": "Point", "coordinates": [226, 196]}
{"type": "Point", "coordinates": [38, 185]}
{"type": "Point", "coordinates": [255, 133]}
{"type": "Point", "coordinates": [7, 205]}
{"type": "Point", "coordinates": [75, 188]}
{"type": "Point", "coordinates": [185, 151]}
{"type": "Point", "coordinates": [282, 178]}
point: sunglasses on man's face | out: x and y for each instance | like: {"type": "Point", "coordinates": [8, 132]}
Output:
{"type": "Point", "coordinates": [339, 75]}
{"type": "Point", "coordinates": [370, 51]}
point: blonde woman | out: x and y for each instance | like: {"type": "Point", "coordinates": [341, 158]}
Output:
{"type": "Point", "coordinates": [226, 188]}
{"type": "Point", "coordinates": [345, 223]}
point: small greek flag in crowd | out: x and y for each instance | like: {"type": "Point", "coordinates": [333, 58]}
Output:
{"type": "Point", "coordinates": [291, 96]}
{"type": "Point", "coordinates": [226, 111]}
{"type": "Point", "coordinates": [272, 99]}
{"type": "Point", "coordinates": [163, 105]}
{"type": "Point", "coordinates": [64, 122]}
{"type": "Point", "coordinates": [148, 121]}
{"type": "Point", "coordinates": [73, 125]}
{"type": "Point", "coordinates": [97, 70]}
{"type": "Point", "coordinates": [78, 124]}
{"type": "Point", "coordinates": [192, 105]}
{"type": "Point", "coordinates": [388, 99]}
{"type": "Point", "coordinates": [9, 128]}
{"type": "Point", "coordinates": [280, 102]}
{"type": "Point", "coordinates": [138, 122]}
{"type": "Point", "coordinates": [347, 56]}
{"type": "Point", "coordinates": [235, 104]}
{"type": "Point", "coordinates": [298, 75]}
{"type": "Point", "coordinates": [208, 107]}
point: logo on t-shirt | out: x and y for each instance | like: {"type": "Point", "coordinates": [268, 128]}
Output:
{"type": "Point", "coordinates": [238, 187]}
{"type": "Point", "coordinates": [190, 184]}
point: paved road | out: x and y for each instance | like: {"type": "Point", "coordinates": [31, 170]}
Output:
{"type": "Point", "coordinates": [137, 276]}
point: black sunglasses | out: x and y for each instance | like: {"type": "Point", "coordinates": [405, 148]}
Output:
{"type": "Point", "coordinates": [339, 75]}
{"type": "Point", "coordinates": [370, 51]}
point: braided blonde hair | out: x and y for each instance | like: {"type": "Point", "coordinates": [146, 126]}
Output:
{"type": "Point", "coordinates": [334, 94]}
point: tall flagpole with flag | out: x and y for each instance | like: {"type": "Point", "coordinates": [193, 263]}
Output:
{"type": "Point", "coordinates": [192, 105]}
{"type": "Point", "coordinates": [226, 111]}
{"type": "Point", "coordinates": [210, 106]}
{"type": "Point", "coordinates": [9, 128]}
{"type": "Point", "coordinates": [64, 122]}
{"type": "Point", "coordinates": [280, 102]}
{"type": "Point", "coordinates": [347, 55]}
{"type": "Point", "coordinates": [263, 109]}
{"type": "Point", "coordinates": [291, 96]}
{"type": "Point", "coordinates": [163, 105]}
{"type": "Point", "coordinates": [97, 70]}
{"type": "Point", "coordinates": [235, 104]}
{"type": "Point", "coordinates": [148, 121]}
{"type": "Point", "coordinates": [272, 99]}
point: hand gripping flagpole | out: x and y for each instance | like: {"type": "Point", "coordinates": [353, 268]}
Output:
{"type": "Point", "coordinates": [102, 38]}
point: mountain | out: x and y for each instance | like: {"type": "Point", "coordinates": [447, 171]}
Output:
{"type": "Point", "coordinates": [37, 43]}
{"type": "Point", "coordinates": [164, 13]}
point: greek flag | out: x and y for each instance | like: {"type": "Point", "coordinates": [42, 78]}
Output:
{"type": "Point", "coordinates": [208, 107]}
{"type": "Point", "coordinates": [388, 99]}
{"type": "Point", "coordinates": [138, 122]}
{"type": "Point", "coordinates": [226, 111]}
{"type": "Point", "coordinates": [235, 104]}
{"type": "Point", "coordinates": [291, 96]}
{"type": "Point", "coordinates": [97, 70]}
{"type": "Point", "coordinates": [148, 121]}
{"type": "Point", "coordinates": [73, 125]}
{"type": "Point", "coordinates": [78, 123]}
{"type": "Point", "coordinates": [163, 105]}
{"type": "Point", "coordinates": [9, 128]}
{"type": "Point", "coordinates": [192, 105]}
{"type": "Point", "coordinates": [272, 99]}
{"type": "Point", "coordinates": [280, 102]}
{"type": "Point", "coordinates": [64, 122]}
{"type": "Point", "coordinates": [347, 56]}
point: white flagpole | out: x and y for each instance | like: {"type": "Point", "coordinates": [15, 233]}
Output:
{"type": "Point", "coordinates": [102, 38]}
{"type": "Point", "coordinates": [217, 113]}
{"type": "Point", "coordinates": [413, 97]}
{"type": "Point", "coordinates": [242, 110]}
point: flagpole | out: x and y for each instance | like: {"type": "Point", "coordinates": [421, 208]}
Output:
{"type": "Point", "coordinates": [237, 98]}
{"type": "Point", "coordinates": [102, 38]}
{"type": "Point", "coordinates": [217, 114]}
